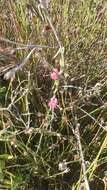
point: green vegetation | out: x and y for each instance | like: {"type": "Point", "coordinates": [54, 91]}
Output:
{"type": "Point", "coordinates": [64, 148]}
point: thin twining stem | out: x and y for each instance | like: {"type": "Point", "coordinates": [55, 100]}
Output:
{"type": "Point", "coordinates": [51, 25]}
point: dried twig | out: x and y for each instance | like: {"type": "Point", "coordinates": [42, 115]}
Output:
{"type": "Point", "coordinates": [77, 134]}
{"type": "Point", "coordinates": [24, 46]}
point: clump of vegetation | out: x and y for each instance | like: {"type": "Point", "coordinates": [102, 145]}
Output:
{"type": "Point", "coordinates": [53, 95]}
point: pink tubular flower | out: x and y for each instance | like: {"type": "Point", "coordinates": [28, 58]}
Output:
{"type": "Point", "coordinates": [53, 103]}
{"type": "Point", "coordinates": [54, 74]}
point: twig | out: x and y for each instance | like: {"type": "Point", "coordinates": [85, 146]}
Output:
{"type": "Point", "coordinates": [24, 46]}
{"type": "Point", "coordinates": [77, 134]}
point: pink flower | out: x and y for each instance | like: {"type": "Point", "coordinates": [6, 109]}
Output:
{"type": "Point", "coordinates": [53, 103]}
{"type": "Point", "coordinates": [54, 74]}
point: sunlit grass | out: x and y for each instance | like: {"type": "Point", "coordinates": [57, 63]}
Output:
{"type": "Point", "coordinates": [64, 148]}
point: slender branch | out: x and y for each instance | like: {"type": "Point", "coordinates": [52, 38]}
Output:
{"type": "Point", "coordinates": [77, 134]}
{"type": "Point", "coordinates": [24, 46]}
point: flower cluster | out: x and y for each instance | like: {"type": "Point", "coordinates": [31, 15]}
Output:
{"type": "Point", "coordinates": [54, 74]}
{"type": "Point", "coordinates": [53, 103]}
